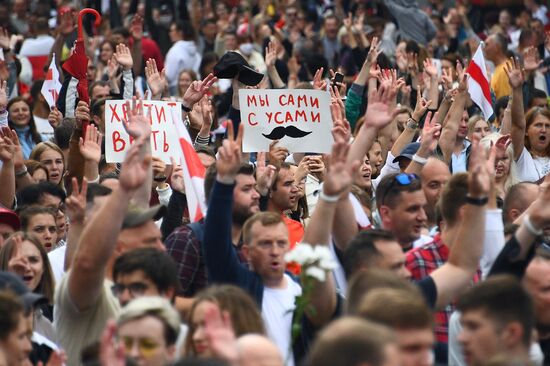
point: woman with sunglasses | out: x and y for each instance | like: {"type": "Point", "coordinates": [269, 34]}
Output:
{"type": "Point", "coordinates": [530, 131]}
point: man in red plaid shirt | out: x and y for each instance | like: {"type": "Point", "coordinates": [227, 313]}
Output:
{"type": "Point", "coordinates": [422, 261]}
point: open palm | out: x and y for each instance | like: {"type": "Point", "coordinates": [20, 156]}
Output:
{"type": "Point", "coordinates": [90, 146]}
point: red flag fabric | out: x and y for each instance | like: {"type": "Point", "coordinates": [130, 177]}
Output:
{"type": "Point", "coordinates": [193, 173]}
{"type": "Point", "coordinates": [478, 83]}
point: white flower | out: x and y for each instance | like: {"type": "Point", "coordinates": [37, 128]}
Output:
{"type": "Point", "coordinates": [322, 253]}
{"type": "Point", "coordinates": [301, 254]}
{"type": "Point", "coordinates": [317, 273]}
{"type": "Point", "coordinates": [328, 264]}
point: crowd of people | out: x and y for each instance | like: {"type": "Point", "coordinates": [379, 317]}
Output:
{"type": "Point", "coordinates": [428, 223]}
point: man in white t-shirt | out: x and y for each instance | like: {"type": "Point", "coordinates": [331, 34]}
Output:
{"type": "Point", "coordinates": [265, 238]}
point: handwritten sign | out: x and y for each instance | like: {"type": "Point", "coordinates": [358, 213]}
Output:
{"type": "Point", "coordinates": [162, 118]}
{"type": "Point", "coordinates": [299, 119]}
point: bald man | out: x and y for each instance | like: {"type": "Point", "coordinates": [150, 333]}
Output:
{"type": "Point", "coordinates": [365, 343]}
{"type": "Point", "coordinates": [257, 350]}
{"type": "Point", "coordinates": [434, 176]}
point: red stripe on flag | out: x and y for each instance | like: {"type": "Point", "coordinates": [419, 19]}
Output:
{"type": "Point", "coordinates": [475, 72]}
{"type": "Point", "coordinates": [196, 169]}
{"type": "Point", "coordinates": [198, 214]}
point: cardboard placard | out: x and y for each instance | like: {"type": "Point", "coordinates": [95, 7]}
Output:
{"type": "Point", "coordinates": [299, 118]}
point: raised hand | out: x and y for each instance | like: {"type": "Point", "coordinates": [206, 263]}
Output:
{"type": "Point", "coordinates": [90, 146]}
{"type": "Point", "coordinates": [82, 111]}
{"type": "Point", "coordinates": [479, 178]}
{"type": "Point", "coordinates": [176, 179]}
{"type": "Point", "coordinates": [430, 133]}
{"type": "Point", "coordinates": [503, 142]}
{"type": "Point", "coordinates": [55, 117]}
{"type": "Point", "coordinates": [447, 78]}
{"type": "Point", "coordinates": [515, 73]}
{"type": "Point", "coordinates": [229, 155]}
{"type": "Point", "coordinates": [3, 95]}
{"type": "Point", "coordinates": [111, 351]}
{"type": "Point", "coordinates": [112, 67]}
{"type": "Point", "coordinates": [4, 38]}
{"type": "Point", "coordinates": [430, 68]}
{"type": "Point", "coordinates": [318, 82]}
{"type": "Point", "coordinates": [373, 54]}
{"type": "Point", "coordinates": [340, 175]}
{"type": "Point", "coordinates": [138, 124]}
{"type": "Point", "coordinates": [159, 167]}
{"type": "Point", "coordinates": [378, 113]}
{"type": "Point", "coordinates": [220, 335]}
{"type": "Point", "coordinates": [339, 120]}
{"type": "Point", "coordinates": [531, 59]}
{"type": "Point", "coordinates": [197, 90]}
{"type": "Point", "coordinates": [303, 169]}
{"type": "Point", "coordinates": [11, 139]}
{"type": "Point", "coordinates": [389, 79]}
{"type": "Point", "coordinates": [462, 78]}
{"type": "Point", "coordinates": [76, 202]}
{"type": "Point", "coordinates": [276, 154]}
{"type": "Point", "coordinates": [155, 80]}
{"type": "Point", "coordinates": [270, 55]}
{"type": "Point", "coordinates": [7, 149]}
{"type": "Point", "coordinates": [135, 169]}
{"type": "Point", "coordinates": [207, 111]}
{"type": "Point", "coordinates": [348, 23]}
{"type": "Point", "coordinates": [421, 106]}
{"type": "Point", "coordinates": [265, 174]}
{"type": "Point", "coordinates": [123, 56]}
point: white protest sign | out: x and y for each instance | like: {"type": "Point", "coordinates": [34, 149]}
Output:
{"type": "Point", "coordinates": [300, 119]}
{"type": "Point", "coordinates": [164, 143]}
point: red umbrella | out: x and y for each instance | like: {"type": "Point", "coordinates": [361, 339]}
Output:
{"type": "Point", "coordinates": [77, 63]}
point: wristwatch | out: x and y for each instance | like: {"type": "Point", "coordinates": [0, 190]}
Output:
{"type": "Point", "coordinates": [412, 124]}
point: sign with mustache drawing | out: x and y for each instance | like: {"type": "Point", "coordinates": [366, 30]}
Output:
{"type": "Point", "coordinates": [299, 118]}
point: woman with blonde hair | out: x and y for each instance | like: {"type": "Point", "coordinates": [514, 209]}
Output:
{"type": "Point", "coordinates": [505, 166]}
{"type": "Point", "coordinates": [51, 156]}
{"type": "Point", "coordinates": [478, 127]}
{"type": "Point", "coordinates": [241, 308]}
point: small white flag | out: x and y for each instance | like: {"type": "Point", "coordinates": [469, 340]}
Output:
{"type": "Point", "coordinates": [52, 86]}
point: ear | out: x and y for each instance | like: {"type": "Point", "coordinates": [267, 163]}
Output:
{"type": "Point", "coordinates": [512, 335]}
{"type": "Point", "coordinates": [245, 249]}
{"type": "Point", "coordinates": [385, 216]}
{"type": "Point", "coordinates": [514, 214]}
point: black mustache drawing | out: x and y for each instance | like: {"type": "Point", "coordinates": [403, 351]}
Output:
{"type": "Point", "coordinates": [290, 131]}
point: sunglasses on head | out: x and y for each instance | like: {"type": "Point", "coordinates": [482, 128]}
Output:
{"type": "Point", "coordinates": [402, 179]}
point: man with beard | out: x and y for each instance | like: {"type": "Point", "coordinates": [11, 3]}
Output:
{"type": "Point", "coordinates": [282, 197]}
{"type": "Point", "coordinates": [184, 244]}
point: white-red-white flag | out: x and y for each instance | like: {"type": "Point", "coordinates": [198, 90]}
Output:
{"type": "Point", "coordinates": [52, 86]}
{"type": "Point", "coordinates": [478, 83]}
{"type": "Point", "coordinates": [193, 173]}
